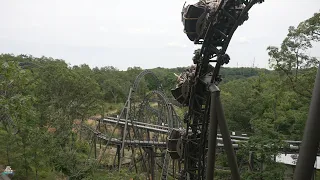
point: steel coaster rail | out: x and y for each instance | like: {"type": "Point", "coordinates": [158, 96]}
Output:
{"type": "Point", "coordinates": [197, 119]}
{"type": "Point", "coordinates": [291, 148]}
{"type": "Point", "coordinates": [165, 129]}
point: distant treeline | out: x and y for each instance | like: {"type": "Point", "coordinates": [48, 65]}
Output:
{"type": "Point", "coordinates": [113, 83]}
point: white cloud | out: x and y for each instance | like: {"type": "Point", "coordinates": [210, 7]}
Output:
{"type": "Point", "coordinates": [243, 40]}
{"type": "Point", "coordinates": [146, 31]}
{"type": "Point", "coordinates": [176, 44]}
{"type": "Point", "coordinates": [139, 30]}
{"type": "Point", "coordinates": [103, 29]}
{"type": "Point", "coordinates": [190, 1]}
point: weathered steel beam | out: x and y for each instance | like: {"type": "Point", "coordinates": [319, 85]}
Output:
{"type": "Point", "coordinates": [212, 137]}
{"type": "Point", "coordinates": [150, 127]}
{"type": "Point", "coordinates": [232, 160]}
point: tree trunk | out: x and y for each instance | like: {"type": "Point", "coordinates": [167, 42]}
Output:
{"type": "Point", "coordinates": [297, 68]}
{"type": "Point", "coordinates": [114, 96]}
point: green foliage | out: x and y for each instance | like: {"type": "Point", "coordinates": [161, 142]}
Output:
{"type": "Point", "coordinates": [292, 59]}
{"type": "Point", "coordinates": [35, 101]}
{"type": "Point", "coordinates": [273, 106]}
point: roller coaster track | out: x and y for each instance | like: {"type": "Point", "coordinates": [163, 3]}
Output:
{"type": "Point", "coordinates": [164, 162]}
{"type": "Point", "coordinates": [292, 146]}
{"type": "Point", "coordinates": [149, 130]}
{"type": "Point", "coordinates": [222, 24]}
{"type": "Point", "coordinates": [142, 126]}
{"type": "Point", "coordinates": [153, 153]}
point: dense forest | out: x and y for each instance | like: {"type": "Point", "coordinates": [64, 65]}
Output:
{"type": "Point", "coordinates": [41, 97]}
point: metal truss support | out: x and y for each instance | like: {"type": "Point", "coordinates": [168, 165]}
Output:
{"type": "Point", "coordinates": [152, 162]}
{"type": "Point", "coordinates": [311, 137]}
{"type": "Point", "coordinates": [118, 155]}
{"type": "Point", "coordinates": [95, 145]}
{"type": "Point", "coordinates": [164, 172]}
{"type": "Point", "coordinates": [99, 126]}
{"type": "Point", "coordinates": [212, 139]}
{"type": "Point", "coordinates": [127, 107]}
{"type": "Point", "coordinates": [217, 118]}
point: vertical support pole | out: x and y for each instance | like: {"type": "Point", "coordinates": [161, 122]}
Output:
{"type": "Point", "coordinates": [115, 158]}
{"type": "Point", "coordinates": [170, 117]}
{"type": "Point", "coordinates": [212, 139]}
{"type": "Point", "coordinates": [126, 125]}
{"type": "Point", "coordinates": [101, 155]}
{"type": "Point", "coordinates": [217, 115]}
{"type": "Point", "coordinates": [232, 160]}
{"type": "Point", "coordinates": [315, 171]}
{"type": "Point", "coordinates": [311, 137]}
{"type": "Point", "coordinates": [134, 158]}
{"type": "Point", "coordinates": [118, 155]}
{"type": "Point", "coordinates": [174, 168]}
{"type": "Point", "coordinates": [148, 135]}
{"type": "Point", "coordinates": [152, 162]}
{"type": "Point", "coordinates": [95, 145]}
{"type": "Point", "coordinates": [100, 132]}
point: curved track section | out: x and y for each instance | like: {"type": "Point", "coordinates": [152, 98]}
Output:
{"type": "Point", "coordinates": [144, 73]}
{"type": "Point", "coordinates": [137, 139]}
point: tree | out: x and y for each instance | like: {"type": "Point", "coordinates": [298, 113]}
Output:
{"type": "Point", "coordinates": [311, 27]}
{"type": "Point", "coordinates": [292, 59]}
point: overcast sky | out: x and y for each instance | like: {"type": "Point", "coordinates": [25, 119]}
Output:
{"type": "Point", "coordinates": [145, 33]}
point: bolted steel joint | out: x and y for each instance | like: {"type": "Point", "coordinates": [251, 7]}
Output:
{"type": "Point", "coordinates": [224, 59]}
